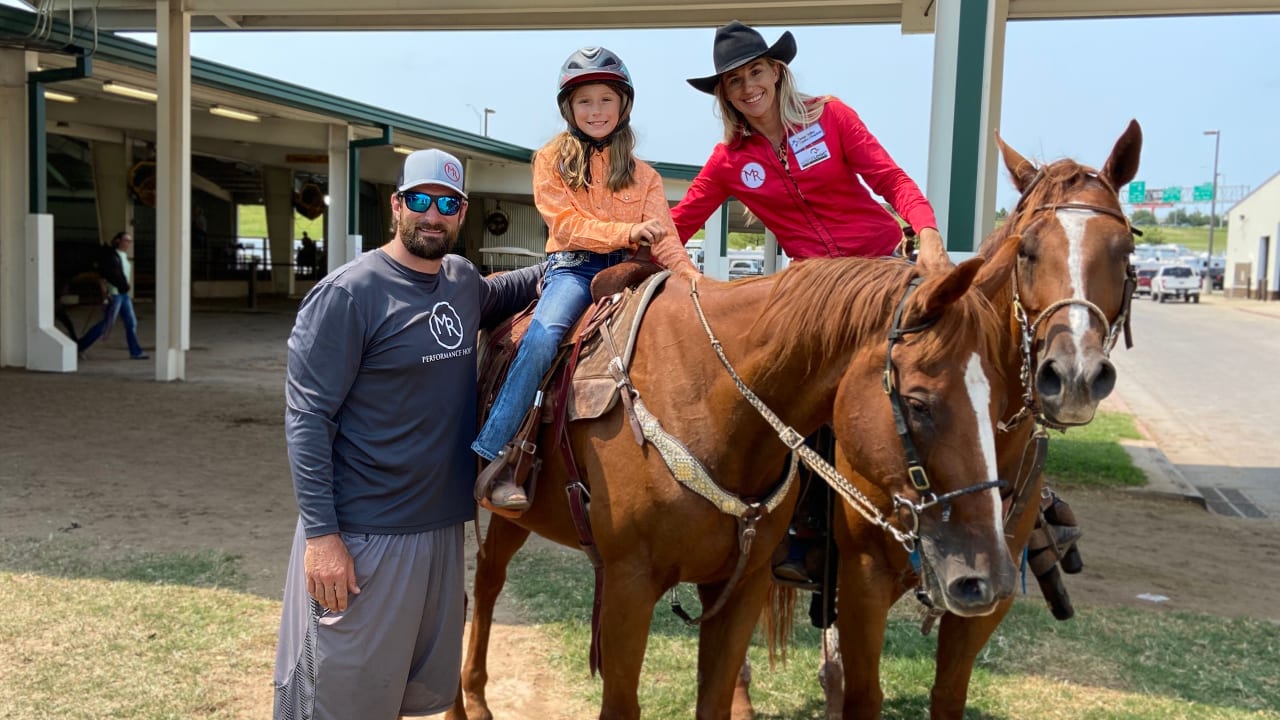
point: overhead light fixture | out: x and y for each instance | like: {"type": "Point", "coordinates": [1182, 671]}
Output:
{"type": "Point", "coordinates": [129, 91]}
{"type": "Point", "coordinates": [404, 150]}
{"type": "Point", "coordinates": [60, 96]}
{"type": "Point", "coordinates": [234, 114]}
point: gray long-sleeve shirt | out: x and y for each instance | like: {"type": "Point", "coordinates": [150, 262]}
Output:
{"type": "Point", "coordinates": [381, 393]}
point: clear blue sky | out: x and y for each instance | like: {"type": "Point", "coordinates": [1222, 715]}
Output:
{"type": "Point", "coordinates": [1070, 86]}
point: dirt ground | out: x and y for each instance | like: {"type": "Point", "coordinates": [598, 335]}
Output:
{"type": "Point", "coordinates": [110, 455]}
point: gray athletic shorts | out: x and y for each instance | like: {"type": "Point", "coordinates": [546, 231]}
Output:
{"type": "Point", "coordinates": [396, 650]}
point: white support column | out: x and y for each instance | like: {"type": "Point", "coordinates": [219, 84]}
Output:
{"type": "Point", "coordinates": [968, 78]}
{"type": "Point", "coordinates": [335, 240]}
{"type": "Point", "coordinates": [173, 196]}
{"type": "Point", "coordinates": [47, 348]}
{"type": "Point", "coordinates": [770, 252]}
{"type": "Point", "coordinates": [111, 194]}
{"type": "Point", "coordinates": [14, 65]}
{"type": "Point", "coordinates": [277, 188]}
{"type": "Point", "coordinates": [715, 262]}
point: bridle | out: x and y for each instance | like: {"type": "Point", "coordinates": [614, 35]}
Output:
{"type": "Point", "coordinates": [814, 461]}
{"type": "Point", "coordinates": [1029, 328]}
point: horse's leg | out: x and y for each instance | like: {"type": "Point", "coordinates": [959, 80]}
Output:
{"type": "Point", "coordinates": [625, 615]}
{"type": "Point", "coordinates": [863, 614]}
{"type": "Point", "coordinates": [961, 639]}
{"type": "Point", "coordinates": [501, 542]}
{"type": "Point", "coordinates": [724, 638]}
{"type": "Point", "coordinates": [959, 642]}
{"type": "Point", "coordinates": [741, 708]}
{"type": "Point", "coordinates": [831, 673]}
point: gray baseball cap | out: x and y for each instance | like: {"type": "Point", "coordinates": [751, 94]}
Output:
{"type": "Point", "coordinates": [431, 167]}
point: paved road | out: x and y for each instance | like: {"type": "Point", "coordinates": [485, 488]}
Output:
{"type": "Point", "coordinates": [1205, 381]}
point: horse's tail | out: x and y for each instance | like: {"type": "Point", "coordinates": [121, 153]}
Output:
{"type": "Point", "coordinates": [778, 616]}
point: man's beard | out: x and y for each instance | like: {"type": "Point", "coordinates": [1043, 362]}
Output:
{"type": "Point", "coordinates": [420, 244]}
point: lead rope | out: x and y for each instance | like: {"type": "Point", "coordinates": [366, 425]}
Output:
{"type": "Point", "coordinates": [795, 441]}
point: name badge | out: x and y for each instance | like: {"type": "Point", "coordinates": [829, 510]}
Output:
{"type": "Point", "coordinates": [807, 136]}
{"type": "Point", "coordinates": [813, 155]}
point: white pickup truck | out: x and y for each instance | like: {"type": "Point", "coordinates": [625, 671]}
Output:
{"type": "Point", "coordinates": [1176, 281]}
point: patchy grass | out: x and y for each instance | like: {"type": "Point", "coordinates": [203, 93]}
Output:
{"type": "Point", "coordinates": [90, 635]}
{"type": "Point", "coordinates": [1106, 664]}
{"type": "Point", "coordinates": [1090, 455]}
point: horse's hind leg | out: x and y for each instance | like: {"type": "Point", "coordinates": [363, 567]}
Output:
{"type": "Point", "coordinates": [723, 641]}
{"type": "Point", "coordinates": [501, 542]}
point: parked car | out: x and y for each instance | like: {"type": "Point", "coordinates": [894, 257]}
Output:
{"type": "Point", "coordinates": [740, 268]}
{"type": "Point", "coordinates": [1144, 280]}
{"type": "Point", "coordinates": [1175, 281]}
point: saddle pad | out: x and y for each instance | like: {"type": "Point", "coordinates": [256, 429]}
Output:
{"type": "Point", "coordinates": [594, 390]}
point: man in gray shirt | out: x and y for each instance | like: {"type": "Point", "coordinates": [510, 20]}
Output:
{"type": "Point", "coordinates": [381, 409]}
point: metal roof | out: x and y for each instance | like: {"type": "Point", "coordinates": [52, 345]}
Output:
{"type": "Point", "coordinates": [914, 15]}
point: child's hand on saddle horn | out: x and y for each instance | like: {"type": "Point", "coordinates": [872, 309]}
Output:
{"type": "Point", "coordinates": [648, 232]}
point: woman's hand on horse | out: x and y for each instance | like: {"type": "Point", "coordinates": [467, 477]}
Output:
{"type": "Point", "coordinates": [330, 571]}
{"type": "Point", "coordinates": [932, 252]}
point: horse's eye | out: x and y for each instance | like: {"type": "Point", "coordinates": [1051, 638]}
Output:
{"type": "Point", "coordinates": [919, 407]}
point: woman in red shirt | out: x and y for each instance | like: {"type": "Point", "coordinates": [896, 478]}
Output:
{"type": "Point", "coordinates": [798, 162]}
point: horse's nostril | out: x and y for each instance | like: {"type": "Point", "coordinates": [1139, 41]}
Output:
{"type": "Point", "coordinates": [1048, 380]}
{"type": "Point", "coordinates": [972, 590]}
{"type": "Point", "coordinates": [1104, 381]}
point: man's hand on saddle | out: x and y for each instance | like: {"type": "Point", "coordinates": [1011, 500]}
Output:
{"type": "Point", "coordinates": [330, 571]}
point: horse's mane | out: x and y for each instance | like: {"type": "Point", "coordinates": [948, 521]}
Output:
{"type": "Point", "coordinates": [825, 306]}
{"type": "Point", "coordinates": [1056, 182]}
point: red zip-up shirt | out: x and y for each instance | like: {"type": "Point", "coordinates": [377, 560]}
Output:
{"type": "Point", "coordinates": [815, 205]}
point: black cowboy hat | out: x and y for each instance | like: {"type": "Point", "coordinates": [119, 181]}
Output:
{"type": "Point", "coordinates": [736, 45]}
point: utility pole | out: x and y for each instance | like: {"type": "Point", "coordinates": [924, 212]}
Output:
{"type": "Point", "coordinates": [1213, 210]}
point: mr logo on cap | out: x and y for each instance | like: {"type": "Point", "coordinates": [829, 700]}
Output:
{"type": "Point", "coordinates": [432, 167]}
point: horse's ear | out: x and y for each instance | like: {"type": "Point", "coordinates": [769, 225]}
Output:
{"type": "Point", "coordinates": [941, 290]}
{"type": "Point", "coordinates": [1020, 168]}
{"type": "Point", "coordinates": [997, 272]}
{"type": "Point", "coordinates": [1122, 166]}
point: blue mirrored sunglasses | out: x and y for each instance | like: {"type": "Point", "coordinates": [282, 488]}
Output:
{"type": "Point", "coordinates": [420, 202]}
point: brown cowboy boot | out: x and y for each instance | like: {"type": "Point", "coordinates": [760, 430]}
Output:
{"type": "Point", "coordinates": [496, 486]}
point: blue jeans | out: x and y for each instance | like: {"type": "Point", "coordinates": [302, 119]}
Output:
{"type": "Point", "coordinates": [566, 293]}
{"type": "Point", "coordinates": [118, 305]}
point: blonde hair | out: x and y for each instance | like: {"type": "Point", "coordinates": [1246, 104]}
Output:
{"type": "Point", "coordinates": [573, 151]}
{"type": "Point", "coordinates": [797, 109]}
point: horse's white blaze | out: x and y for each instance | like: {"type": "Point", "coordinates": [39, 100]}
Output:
{"type": "Point", "coordinates": [975, 381]}
{"type": "Point", "coordinates": [1073, 224]}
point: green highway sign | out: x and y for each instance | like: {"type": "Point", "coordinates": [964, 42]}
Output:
{"type": "Point", "coordinates": [1202, 193]}
{"type": "Point", "coordinates": [1171, 194]}
{"type": "Point", "coordinates": [1138, 191]}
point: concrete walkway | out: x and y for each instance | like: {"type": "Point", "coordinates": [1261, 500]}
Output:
{"type": "Point", "coordinates": [1200, 383]}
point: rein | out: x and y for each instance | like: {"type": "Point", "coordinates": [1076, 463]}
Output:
{"type": "Point", "coordinates": [1029, 328]}
{"type": "Point", "coordinates": [815, 462]}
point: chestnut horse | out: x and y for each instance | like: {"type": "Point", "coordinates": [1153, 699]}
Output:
{"type": "Point", "coordinates": [1064, 303]}
{"type": "Point", "coordinates": [813, 345]}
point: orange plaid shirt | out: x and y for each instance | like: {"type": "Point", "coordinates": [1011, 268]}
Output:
{"type": "Point", "coordinates": [599, 220]}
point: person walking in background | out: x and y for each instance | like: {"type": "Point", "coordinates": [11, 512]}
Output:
{"type": "Point", "coordinates": [600, 204]}
{"type": "Point", "coordinates": [307, 256]}
{"type": "Point", "coordinates": [380, 397]}
{"type": "Point", "coordinates": [116, 268]}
